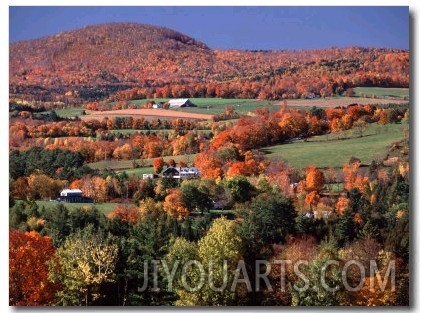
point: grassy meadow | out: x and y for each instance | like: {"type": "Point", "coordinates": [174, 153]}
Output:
{"type": "Point", "coordinates": [102, 207]}
{"type": "Point", "coordinates": [332, 150]}
{"type": "Point", "coordinates": [329, 151]}
{"type": "Point", "coordinates": [402, 93]}
{"type": "Point", "coordinates": [68, 112]}
{"type": "Point", "coordinates": [144, 165]}
{"type": "Point", "coordinates": [213, 106]}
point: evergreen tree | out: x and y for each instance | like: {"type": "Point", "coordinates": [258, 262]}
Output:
{"type": "Point", "coordinates": [57, 226]}
{"type": "Point", "coordinates": [141, 253]}
{"type": "Point", "coordinates": [346, 228]}
{"type": "Point", "coordinates": [268, 219]}
{"type": "Point", "coordinates": [17, 216]}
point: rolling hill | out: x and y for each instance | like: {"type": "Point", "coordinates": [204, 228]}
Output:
{"type": "Point", "coordinates": [96, 62]}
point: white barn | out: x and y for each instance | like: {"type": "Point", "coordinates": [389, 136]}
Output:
{"type": "Point", "coordinates": [74, 196]}
{"type": "Point", "coordinates": [180, 103]}
{"type": "Point", "coordinates": [71, 193]}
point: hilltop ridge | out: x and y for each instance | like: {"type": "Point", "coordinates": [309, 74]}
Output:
{"type": "Point", "coordinates": [100, 60]}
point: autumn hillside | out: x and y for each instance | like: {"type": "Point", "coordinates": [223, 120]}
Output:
{"type": "Point", "coordinates": [143, 61]}
{"type": "Point", "coordinates": [107, 53]}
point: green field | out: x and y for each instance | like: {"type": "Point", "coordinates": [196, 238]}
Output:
{"type": "Point", "coordinates": [326, 151]}
{"type": "Point", "coordinates": [154, 131]}
{"type": "Point", "coordinates": [322, 151]}
{"type": "Point", "coordinates": [102, 207]}
{"type": "Point", "coordinates": [138, 131]}
{"type": "Point", "coordinates": [138, 171]}
{"type": "Point", "coordinates": [214, 106]}
{"type": "Point", "coordinates": [72, 112]}
{"type": "Point", "coordinates": [399, 93]}
{"type": "Point", "coordinates": [145, 163]}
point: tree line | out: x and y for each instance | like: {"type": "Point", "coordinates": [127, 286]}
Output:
{"type": "Point", "coordinates": [83, 257]}
{"type": "Point", "coordinates": [80, 256]}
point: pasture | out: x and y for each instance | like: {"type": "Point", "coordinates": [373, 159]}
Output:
{"type": "Point", "coordinates": [327, 151]}
{"type": "Point", "coordinates": [207, 107]}
{"type": "Point", "coordinates": [144, 165]}
{"type": "Point", "coordinates": [68, 112]}
{"type": "Point", "coordinates": [398, 93]}
{"type": "Point", "coordinates": [332, 102]}
{"type": "Point", "coordinates": [331, 150]}
{"type": "Point", "coordinates": [213, 106]}
{"type": "Point", "coordinates": [104, 208]}
{"type": "Point", "coordinates": [148, 113]}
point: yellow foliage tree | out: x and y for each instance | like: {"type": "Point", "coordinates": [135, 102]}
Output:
{"type": "Point", "coordinates": [85, 261]}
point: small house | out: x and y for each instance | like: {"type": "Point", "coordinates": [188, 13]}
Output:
{"type": "Point", "coordinates": [181, 172]}
{"type": "Point", "coordinates": [158, 105]}
{"type": "Point", "coordinates": [149, 176]}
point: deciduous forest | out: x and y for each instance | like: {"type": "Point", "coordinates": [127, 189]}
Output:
{"type": "Point", "coordinates": [251, 228]}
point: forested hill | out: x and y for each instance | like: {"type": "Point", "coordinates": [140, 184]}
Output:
{"type": "Point", "coordinates": [127, 60]}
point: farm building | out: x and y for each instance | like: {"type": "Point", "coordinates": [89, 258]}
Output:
{"type": "Point", "coordinates": [149, 176]}
{"type": "Point", "coordinates": [158, 105]}
{"type": "Point", "coordinates": [74, 196]}
{"type": "Point", "coordinates": [181, 172]}
{"type": "Point", "coordinates": [180, 103]}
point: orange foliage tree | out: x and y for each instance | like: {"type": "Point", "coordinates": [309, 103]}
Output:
{"type": "Point", "coordinates": [123, 152]}
{"type": "Point", "coordinates": [126, 214]}
{"type": "Point", "coordinates": [158, 165]}
{"type": "Point", "coordinates": [29, 253]}
{"type": "Point", "coordinates": [353, 179]}
{"type": "Point", "coordinates": [250, 166]}
{"type": "Point", "coordinates": [20, 188]}
{"type": "Point", "coordinates": [312, 199]}
{"type": "Point", "coordinates": [174, 206]}
{"type": "Point", "coordinates": [171, 162]}
{"type": "Point", "coordinates": [209, 166]}
{"type": "Point", "coordinates": [381, 285]}
{"type": "Point", "coordinates": [342, 204]}
{"type": "Point", "coordinates": [315, 179]}
{"type": "Point", "coordinates": [293, 125]}
{"type": "Point", "coordinates": [282, 274]}
{"type": "Point", "coordinates": [95, 187]}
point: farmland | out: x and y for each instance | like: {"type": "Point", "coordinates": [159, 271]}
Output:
{"type": "Point", "coordinates": [285, 155]}
{"type": "Point", "coordinates": [332, 150]}
{"type": "Point", "coordinates": [388, 93]}
{"type": "Point", "coordinates": [207, 107]}
{"type": "Point", "coordinates": [327, 151]}
{"type": "Point", "coordinates": [340, 101]}
{"type": "Point", "coordinates": [104, 208]}
{"type": "Point", "coordinates": [71, 112]}
{"type": "Point", "coordinates": [212, 106]}
{"type": "Point", "coordinates": [148, 113]}
{"type": "Point", "coordinates": [293, 158]}
{"type": "Point", "coordinates": [145, 164]}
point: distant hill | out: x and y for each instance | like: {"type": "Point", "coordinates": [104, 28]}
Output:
{"type": "Point", "coordinates": [135, 61]}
